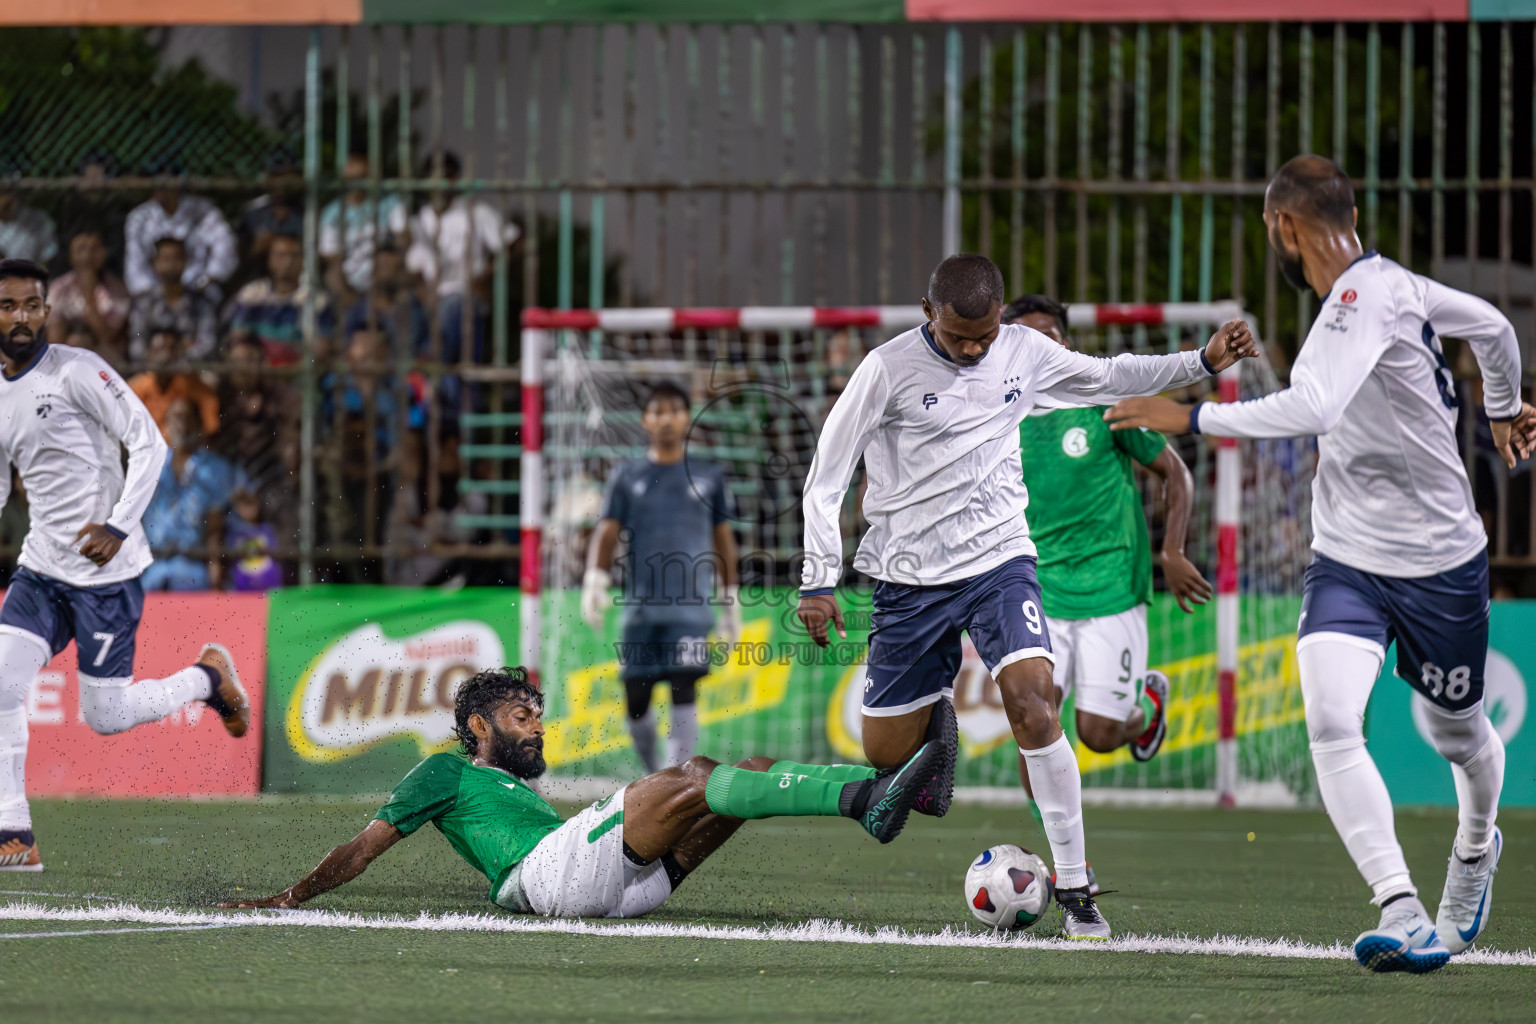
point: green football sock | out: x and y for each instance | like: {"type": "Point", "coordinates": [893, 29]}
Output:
{"type": "Point", "coordinates": [828, 772]}
{"type": "Point", "coordinates": [739, 793]}
{"type": "Point", "coordinates": [1148, 709]}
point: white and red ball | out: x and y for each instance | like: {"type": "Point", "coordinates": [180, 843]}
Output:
{"type": "Point", "coordinates": [1008, 887]}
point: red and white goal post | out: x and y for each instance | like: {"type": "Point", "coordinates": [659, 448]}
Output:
{"type": "Point", "coordinates": [538, 333]}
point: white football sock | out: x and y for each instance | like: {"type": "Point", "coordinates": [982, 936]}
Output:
{"type": "Point", "coordinates": [1058, 790]}
{"type": "Point", "coordinates": [14, 812]}
{"type": "Point", "coordinates": [683, 735]}
{"type": "Point", "coordinates": [21, 657]}
{"type": "Point", "coordinates": [117, 705]}
{"type": "Point", "coordinates": [1469, 741]}
{"type": "Point", "coordinates": [642, 731]}
{"type": "Point", "coordinates": [1337, 676]}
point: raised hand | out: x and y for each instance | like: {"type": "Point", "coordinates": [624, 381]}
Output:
{"type": "Point", "coordinates": [1231, 342]}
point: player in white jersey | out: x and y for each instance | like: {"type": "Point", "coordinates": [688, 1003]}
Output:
{"type": "Point", "coordinates": [1399, 550]}
{"type": "Point", "coordinates": [935, 414]}
{"type": "Point", "coordinates": [65, 416]}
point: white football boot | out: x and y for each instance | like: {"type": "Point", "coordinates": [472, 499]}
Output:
{"type": "Point", "coordinates": [1404, 941]}
{"type": "Point", "coordinates": [1080, 917]}
{"type": "Point", "coordinates": [1468, 897]}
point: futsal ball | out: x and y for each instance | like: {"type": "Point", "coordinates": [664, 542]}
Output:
{"type": "Point", "coordinates": [1008, 887]}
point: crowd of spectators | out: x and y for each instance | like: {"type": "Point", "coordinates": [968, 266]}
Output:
{"type": "Point", "coordinates": [206, 319]}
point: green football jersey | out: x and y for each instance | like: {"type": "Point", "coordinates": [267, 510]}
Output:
{"type": "Point", "coordinates": [1085, 513]}
{"type": "Point", "coordinates": [490, 818]}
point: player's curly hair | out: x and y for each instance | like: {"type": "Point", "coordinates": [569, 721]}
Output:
{"type": "Point", "coordinates": [481, 694]}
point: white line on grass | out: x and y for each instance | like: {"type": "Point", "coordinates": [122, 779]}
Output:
{"type": "Point", "coordinates": [115, 931]}
{"type": "Point", "coordinates": [810, 931]}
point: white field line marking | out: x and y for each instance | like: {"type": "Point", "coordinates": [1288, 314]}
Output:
{"type": "Point", "coordinates": [114, 931]}
{"type": "Point", "coordinates": [809, 931]}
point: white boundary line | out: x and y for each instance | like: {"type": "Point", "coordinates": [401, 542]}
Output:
{"type": "Point", "coordinates": [114, 931]}
{"type": "Point", "coordinates": [810, 931]}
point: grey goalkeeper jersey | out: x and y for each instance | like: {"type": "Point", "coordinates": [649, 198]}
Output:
{"type": "Point", "coordinates": [1391, 495]}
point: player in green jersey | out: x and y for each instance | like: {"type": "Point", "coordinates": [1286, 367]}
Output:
{"type": "Point", "coordinates": [1086, 519]}
{"type": "Point", "coordinates": [622, 856]}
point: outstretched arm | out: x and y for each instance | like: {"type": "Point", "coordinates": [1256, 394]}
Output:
{"type": "Point", "coordinates": [106, 397]}
{"type": "Point", "coordinates": [1075, 379]}
{"type": "Point", "coordinates": [1184, 580]}
{"type": "Point", "coordinates": [339, 867]}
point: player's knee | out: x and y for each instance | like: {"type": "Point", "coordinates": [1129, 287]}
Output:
{"type": "Point", "coordinates": [1332, 724]}
{"type": "Point", "coordinates": [756, 764]}
{"type": "Point", "coordinates": [1459, 736]}
{"type": "Point", "coordinates": [1029, 695]}
{"type": "Point", "coordinates": [697, 768]}
{"type": "Point", "coordinates": [103, 707]}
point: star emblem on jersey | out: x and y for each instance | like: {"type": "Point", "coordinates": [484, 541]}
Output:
{"type": "Point", "coordinates": [1012, 384]}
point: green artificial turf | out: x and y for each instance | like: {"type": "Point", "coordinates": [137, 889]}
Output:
{"type": "Point", "coordinates": [1174, 871]}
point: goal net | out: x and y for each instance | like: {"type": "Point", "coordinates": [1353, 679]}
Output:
{"type": "Point", "coordinates": [762, 381]}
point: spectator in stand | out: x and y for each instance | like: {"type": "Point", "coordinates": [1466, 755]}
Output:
{"type": "Point", "coordinates": [354, 226]}
{"type": "Point", "coordinates": [279, 212]}
{"type": "Point", "coordinates": [360, 423]}
{"type": "Point", "coordinates": [391, 306]}
{"type": "Point", "coordinates": [185, 519]}
{"type": "Point", "coordinates": [159, 387]}
{"type": "Point", "coordinates": [251, 543]}
{"type": "Point", "coordinates": [455, 236]}
{"type": "Point", "coordinates": [91, 299]}
{"type": "Point", "coordinates": [271, 309]}
{"type": "Point", "coordinates": [26, 233]}
{"type": "Point", "coordinates": [256, 413]}
{"type": "Point", "coordinates": [211, 254]}
{"type": "Point", "coordinates": [171, 302]}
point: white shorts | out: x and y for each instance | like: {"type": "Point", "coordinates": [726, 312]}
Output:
{"type": "Point", "coordinates": [579, 870]}
{"type": "Point", "coordinates": [1102, 661]}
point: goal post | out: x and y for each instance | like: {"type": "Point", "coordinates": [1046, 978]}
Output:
{"type": "Point", "coordinates": [592, 363]}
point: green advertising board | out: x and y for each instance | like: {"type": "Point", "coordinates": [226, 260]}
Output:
{"type": "Point", "coordinates": [361, 681]}
{"type": "Point", "coordinates": [1399, 741]}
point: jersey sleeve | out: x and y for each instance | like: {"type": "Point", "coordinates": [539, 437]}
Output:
{"type": "Point", "coordinates": [1142, 445]}
{"type": "Point", "coordinates": [106, 397]}
{"type": "Point", "coordinates": [847, 432]}
{"type": "Point", "coordinates": [1345, 343]}
{"type": "Point", "coordinates": [1479, 323]}
{"type": "Point", "coordinates": [428, 792]}
{"type": "Point", "coordinates": [1072, 378]}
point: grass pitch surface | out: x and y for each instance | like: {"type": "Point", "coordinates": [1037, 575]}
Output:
{"type": "Point", "coordinates": [1177, 873]}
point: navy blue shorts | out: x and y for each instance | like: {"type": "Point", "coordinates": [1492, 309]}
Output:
{"type": "Point", "coordinates": [102, 621]}
{"type": "Point", "coordinates": [1440, 622]}
{"type": "Point", "coordinates": [914, 635]}
{"type": "Point", "coordinates": [657, 652]}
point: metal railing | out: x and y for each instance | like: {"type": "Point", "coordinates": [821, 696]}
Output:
{"type": "Point", "coordinates": [706, 165]}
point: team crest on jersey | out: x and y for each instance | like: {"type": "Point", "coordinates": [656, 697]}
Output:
{"type": "Point", "coordinates": [1075, 442]}
{"type": "Point", "coordinates": [44, 409]}
{"type": "Point", "coordinates": [111, 383]}
{"type": "Point", "coordinates": [1012, 384]}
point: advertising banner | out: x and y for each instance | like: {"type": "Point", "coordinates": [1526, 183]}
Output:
{"type": "Point", "coordinates": [361, 682]}
{"type": "Point", "coordinates": [1398, 738]}
{"type": "Point", "coordinates": [187, 754]}
{"type": "Point", "coordinates": [362, 679]}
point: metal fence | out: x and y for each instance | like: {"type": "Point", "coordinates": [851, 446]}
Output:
{"type": "Point", "coordinates": [832, 164]}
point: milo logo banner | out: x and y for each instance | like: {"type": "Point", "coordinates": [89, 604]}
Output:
{"type": "Point", "coordinates": [363, 684]}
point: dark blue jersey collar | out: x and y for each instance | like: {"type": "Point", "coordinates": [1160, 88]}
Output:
{"type": "Point", "coordinates": [928, 337]}
{"type": "Point", "coordinates": [1368, 254]}
{"type": "Point", "coordinates": [30, 366]}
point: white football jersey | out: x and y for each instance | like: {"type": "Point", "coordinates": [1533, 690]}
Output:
{"type": "Point", "coordinates": [63, 423]}
{"type": "Point", "coordinates": [945, 498]}
{"type": "Point", "coordinates": [1391, 495]}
